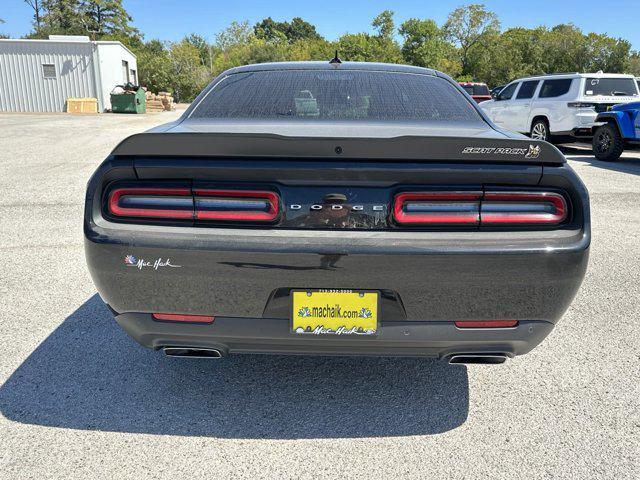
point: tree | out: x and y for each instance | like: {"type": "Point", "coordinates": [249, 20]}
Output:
{"type": "Point", "coordinates": [37, 7]}
{"type": "Point", "coordinates": [363, 47]}
{"type": "Point", "coordinates": [154, 66]}
{"type": "Point", "coordinates": [296, 30]}
{"type": "Point", "coordinates": [238, 33]}
{"type": "Point", "coordinates": [384, 24]}
{"type": "Point", "coordinates": [205, 51]}
{"type": "Point", "coordinates": [634, 63]}
{"type": "Point", "coordinates": [425, 45]}
{"type": "Point", "coordinates": [60, 17]}
{"type": "Point", "coordinates": [188, 76]}
{"type": "Point", "coordinates": [473, 29]}
{"type": "Point", "coordinates": [106, 17]}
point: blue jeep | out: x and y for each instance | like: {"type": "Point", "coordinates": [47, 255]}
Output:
{"type": "Point", "coordinates": [620, 130]}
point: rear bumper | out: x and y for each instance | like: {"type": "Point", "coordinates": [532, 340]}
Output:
{"type": "Point", "coordinates": [429, 280]}
{"type": "Point", "coordinates": [262, 335]}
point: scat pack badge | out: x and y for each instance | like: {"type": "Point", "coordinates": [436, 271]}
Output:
{"type": "Point", "coordinates": [532, 152]}
{"type": "Point", "coordinates": [140, 263]}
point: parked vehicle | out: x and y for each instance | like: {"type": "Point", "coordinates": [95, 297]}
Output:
{"type": "Point", "coordinates": [559, 107]}
{"type": "Point", "coordinates": [478, 91]}
{"type": "Point", "coordinates": [496, 90]}
{"type": "Point", "coordinates": [336, 208]}
{"type": "Point", "coordinates": [620, 129]}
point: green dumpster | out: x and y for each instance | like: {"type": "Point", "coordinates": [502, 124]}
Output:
{"type": "Point", "coordinates": [128, 101]}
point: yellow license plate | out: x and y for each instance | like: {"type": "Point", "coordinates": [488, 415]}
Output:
{"type": "Point", "coordinates": [335, 312]}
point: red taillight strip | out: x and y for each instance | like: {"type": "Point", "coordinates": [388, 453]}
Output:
{"type": "Point", "coordinates": [173, 317]}
{"type": "Point", "coordinates": [116, 209]}
{"type": "Point", "coordinates": [486, 323]}
{"type": "Point", "coordinates": [270, 215]}
{"type": "Point", "coordinates": [500, 218]}
{"type": "Point", "coordinates": [436, 218]}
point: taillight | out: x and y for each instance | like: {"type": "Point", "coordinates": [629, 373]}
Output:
{"type": "Point", "coordinates": [237, 205]}
{"type": "Point", "coordinates": [170, 203]}
{"type": "Point", "coordinates": [523, 208]}
{"type": "Point", "coordinates": [173, 317]}
{"type": "Point", "coordinates": [491, 208]}
{"type": "Point", "coordinates": [188, 204]}
{"type": "Point", "coordinates": [437, 208]}
{"type": "Point", "coordinates": [486, 323]}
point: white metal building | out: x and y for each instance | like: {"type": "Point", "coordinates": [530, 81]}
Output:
{"type": "Point", "coordinates": [39, 75]}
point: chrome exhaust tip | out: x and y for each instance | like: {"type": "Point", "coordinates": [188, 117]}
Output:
{"type": "Point", "coordinates": [478, 359]}
{"type": "Point", "coordinates": [188, 352]}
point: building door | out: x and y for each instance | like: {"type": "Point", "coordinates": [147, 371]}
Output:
{"type": "Point", "coordinates": [125, 71]}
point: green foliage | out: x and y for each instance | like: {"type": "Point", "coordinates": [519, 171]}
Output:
{"type": "Point", "coordinates": [634, 64]}
{"type": "Point", "coordinates": [468, 46]}
{"type": "Point", "coordinates": [296, 30]}
{"type": "Point", "coordinates": [98, 19]}
{"type": "Point", "coordinates": [425, 45]}
{"type": "Point", "coordinates": [473, 29]}
{"type": "Point", "coordinates": [364, 47]}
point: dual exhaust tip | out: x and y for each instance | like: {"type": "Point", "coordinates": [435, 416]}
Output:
{"type": "Point", "coordinates": [188, 352]}
{"type": "Point", "coordinates": [465, 359]}
{"type": "Point", "coordinates": [477, 358]}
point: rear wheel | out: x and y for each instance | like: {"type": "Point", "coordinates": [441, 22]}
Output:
{"type": "Point", "coordinates": [540, 130]}
{"type": "Point", "coordinates": [608, 143]}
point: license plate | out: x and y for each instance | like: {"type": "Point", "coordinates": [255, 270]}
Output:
{"type": "Point", "coordinates": [334, 312]}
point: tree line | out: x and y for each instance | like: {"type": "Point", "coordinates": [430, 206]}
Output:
{"type": "Point", "coordinates": [470, 45]}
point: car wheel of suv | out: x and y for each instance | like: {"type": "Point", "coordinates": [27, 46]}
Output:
{"type": "Point", "coordinates": [540, 130]}
{"type": "Point", "coordinates": [608, 143]}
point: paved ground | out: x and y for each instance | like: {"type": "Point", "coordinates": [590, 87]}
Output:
{"type": "Point", "coordinates": [79, 399]}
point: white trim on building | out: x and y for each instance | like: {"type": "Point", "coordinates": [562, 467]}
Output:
{"type": "Point", "coordinates": [39, 75]}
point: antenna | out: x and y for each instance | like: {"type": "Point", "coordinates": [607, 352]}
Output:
{"type": "Point", "coordinates": [335, 59]}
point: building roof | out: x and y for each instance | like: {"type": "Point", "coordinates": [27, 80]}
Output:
{"type": "Point", "coordinates": [63, 39]}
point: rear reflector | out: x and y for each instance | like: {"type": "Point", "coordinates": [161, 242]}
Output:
{"type": "Point", "coordinates": [522, 208]}
{"type": "Point", "coordinates": [236, 205]}
{"type": "Point", "coordinates": [437, 208]}
{"type": "Point", "coordinates": [487, 324]}
{"type": "Point", "coordinates": [151, 202]}
{"type": "Point", "coordinates": [172, 317]}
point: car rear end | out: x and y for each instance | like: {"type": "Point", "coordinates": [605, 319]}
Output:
{"type": "Point", "coordinates": [479, 91]}
{"type": "Point", "coordinates": [446, 239]}
{"type": "Point", "coordinates": [597, 94]}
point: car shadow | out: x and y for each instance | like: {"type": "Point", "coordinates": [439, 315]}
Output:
{"type": "Point", "coordinates": [88, 374]}
{"type": "Point", "coordinates": [626, 164]}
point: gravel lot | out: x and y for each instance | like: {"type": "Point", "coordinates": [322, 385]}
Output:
{"type": "Point", "coordinates": [78, 398]}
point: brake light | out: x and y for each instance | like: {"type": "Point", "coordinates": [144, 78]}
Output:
{"type": "Point", "coordinates": [522, 208]}
{"type": "Point", "coordinates": [238, 205]}
{"type": "Point", "coordinates": [186, 204]}
{"type": "Point", "coordinates": [171, 203]}
{"type": "Point", "coordinates": [437, 208]}
{"type": "Point", "coordinates": [486, 323]}
{"type": "Point", "coordinates": [172, 317]}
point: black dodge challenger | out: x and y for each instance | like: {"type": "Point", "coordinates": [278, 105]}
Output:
{"type": "Point", "coordinates": [336, 208]}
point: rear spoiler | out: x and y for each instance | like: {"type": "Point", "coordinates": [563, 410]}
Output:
{"type": "Point", "coordinates": [415, 148]}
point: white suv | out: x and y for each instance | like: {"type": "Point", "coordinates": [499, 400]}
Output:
{"type": "Point", "coordinates": [562, 105]}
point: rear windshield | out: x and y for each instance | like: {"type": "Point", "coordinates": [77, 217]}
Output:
{"type": "Point", "coordinates": [610, 86]}
{"type": "Point", "coordinates": [348, 95]}
{"type": "Point", "coordinates": [476, 89]}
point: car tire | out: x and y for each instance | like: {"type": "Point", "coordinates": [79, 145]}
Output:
{"type": "Point", "coordinates": [608, 144]}
{"type": "Point", "coordinates": [540, 130]}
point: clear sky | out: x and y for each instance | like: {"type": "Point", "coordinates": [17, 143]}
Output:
{"type": "Point", "coordinates": [171, 20]}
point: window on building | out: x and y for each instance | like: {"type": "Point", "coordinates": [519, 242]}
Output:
{"type": "Point", "coordinates": [49, 70]}
{"type": "Point", "coordinates": [125, 71]}
{"type": "Point", "coordinates": [134, 76]}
